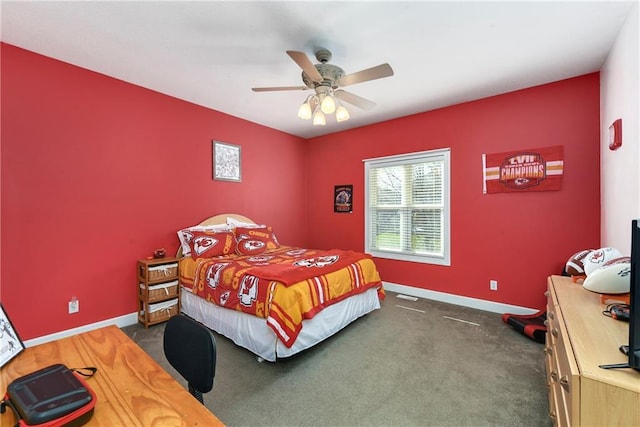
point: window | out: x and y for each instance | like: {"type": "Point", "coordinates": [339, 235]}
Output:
{"type": "Point", "coordinates": [407, 207]}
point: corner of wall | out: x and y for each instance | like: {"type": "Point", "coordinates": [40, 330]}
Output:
{"type": "Point", "coordinates": [619, 90]}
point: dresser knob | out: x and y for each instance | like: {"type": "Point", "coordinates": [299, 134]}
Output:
{"type": "Point", "coordinates": [551, 315]}
{"type": "Point", "coordinates": [554, 376]}
{"type": "Point", "coordinates": [564, 382]}
{"type": "Point", "coordinates": [546, 294]}
{"type": "Point", "coordinates": [554, 332]}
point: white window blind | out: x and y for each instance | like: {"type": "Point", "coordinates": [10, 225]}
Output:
{"type": "Point", "coordinates": [407, 207]}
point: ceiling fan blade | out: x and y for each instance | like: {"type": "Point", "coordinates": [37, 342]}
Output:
{"type": "Point", "coordinates": [271, 89]}
{"type": "Point", "coordinates": [378, 72]}
{"type": "Point", "coordinates": [305, 63]}
{"type": "Point", "coordinates": [354, 99]}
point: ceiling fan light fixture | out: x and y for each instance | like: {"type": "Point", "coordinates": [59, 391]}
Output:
{"type": "Point", "coordinates": [342, 114]}
{"type": "Point", "coordinates": [304, 112]}
{"type": "Point", "coordinates": [325, 80]}
{"type": "Point", "coordinates": [328, 104]}
{"type": "Point", "coordinates": [319, 119]}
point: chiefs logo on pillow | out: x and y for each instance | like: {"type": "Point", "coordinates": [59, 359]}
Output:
{"type": "Point", "coordinates": [251, 247]}
{"type": "Point", "coordinates": [207, 244]}
{"type": "Point", "coordinates": [254, 241]}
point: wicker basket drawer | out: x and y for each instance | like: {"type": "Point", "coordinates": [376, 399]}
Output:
{"type": "Point", "coordinates": [158, 292]}
{"type": "Point", "coordinates": [158, 272]}
{"type": "Point", "coordinates": [162, 311]}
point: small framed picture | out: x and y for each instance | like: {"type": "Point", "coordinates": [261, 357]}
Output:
{"type": "Point", "coordinates": [226, 162]}
{"type": "Point", "coordinates": [343, 198]}
{"type": "Point", "coordinates": [10, 343]}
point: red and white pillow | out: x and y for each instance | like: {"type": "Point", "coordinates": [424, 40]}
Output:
{"type": "Point", "coordinates": [208, 244]}
{"type": "Point", "coordinates": [223, 239]}
{"type": "Point", "coordinates": [187, 236]}
{"type": "Point", "coordinates": [255, 240]}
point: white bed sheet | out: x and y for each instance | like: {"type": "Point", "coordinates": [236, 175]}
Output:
{"type": "Point", "coordinates": [252, 332]}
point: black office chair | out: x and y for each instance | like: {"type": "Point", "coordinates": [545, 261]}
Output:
{"type": "Point", "coordinates": [190, 348]}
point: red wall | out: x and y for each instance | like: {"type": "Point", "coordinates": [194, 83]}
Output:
{"type": "Point", "coordinates": [97, 173]}
{"type": "Point", "coordinates": [517, 239]}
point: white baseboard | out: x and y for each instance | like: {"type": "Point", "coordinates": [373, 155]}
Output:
{"type": "Point", "coordinates": [122, 321]}
{"type": "Point", "coordinates": [494, 307]}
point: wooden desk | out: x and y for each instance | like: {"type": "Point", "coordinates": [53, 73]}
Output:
{"type": "Point", "coordinates": [132, 389]}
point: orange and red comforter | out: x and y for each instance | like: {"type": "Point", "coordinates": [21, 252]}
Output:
{"type": "Point", "coordinates": [284, 286]}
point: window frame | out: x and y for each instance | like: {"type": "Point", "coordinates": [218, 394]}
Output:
{"type": "Point", "coordinates": [442, 154]}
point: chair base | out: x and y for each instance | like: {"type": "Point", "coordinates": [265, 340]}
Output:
{"type": "Point", "coordinates": [196, 393]}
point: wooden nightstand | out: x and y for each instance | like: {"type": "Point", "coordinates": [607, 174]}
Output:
{"type": "Point", "coordinates": [158, 290]}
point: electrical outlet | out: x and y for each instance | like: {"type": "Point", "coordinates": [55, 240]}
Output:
{"type": "Point", "coordinates": [74, 305]}
{"type": "Point", "coordinates": [493, 285]}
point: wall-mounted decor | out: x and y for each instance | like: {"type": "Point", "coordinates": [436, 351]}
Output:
{"type": "Point", "coordinates": [227, 164]}
{"type": "Point", "coordinates": [10, 343]}
{"type": "Point", "coordinates": [539, 169]}
{"type": "Point", "coordinates": [343, 198]}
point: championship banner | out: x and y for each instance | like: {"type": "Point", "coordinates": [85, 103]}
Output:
{"type": "Point", "coordinates": [539, 169]}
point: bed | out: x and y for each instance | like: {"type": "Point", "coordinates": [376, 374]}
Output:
{"type": "Point", "coordinates": [272, 299]}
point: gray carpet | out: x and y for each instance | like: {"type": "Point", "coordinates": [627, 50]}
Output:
{"type": "Point", "coordinates": [443, 365]}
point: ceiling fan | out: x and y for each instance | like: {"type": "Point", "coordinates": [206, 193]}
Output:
{"type": "Point", "coordinates": [326, 80]}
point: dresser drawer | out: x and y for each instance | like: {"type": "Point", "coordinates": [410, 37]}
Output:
{"type": "Point", "coordinates": [567, 369]}
{"type": "Point", "coordinates": [159, 291]}
{"type": "Point", "coordinates": [157, 272]}
{"type": "Point", "coordinates": [161, 311]}
{"type": "Point", "coordinates": [557, 410]}
{"type": "Point", "coordinates": [562, 370]}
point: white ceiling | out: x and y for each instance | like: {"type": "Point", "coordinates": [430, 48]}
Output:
{"type": "Point", "coordinates": [212, 53]}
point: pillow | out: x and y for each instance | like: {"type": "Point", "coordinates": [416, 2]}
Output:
{"type": "Point", "coordinates": [232, 222]}
{"type": "Point", "coordinates": [255, 240]}
{"type": "Point", "coordinates": [186, 235]}
{"type": "Point", "coordinates": [210, 243]}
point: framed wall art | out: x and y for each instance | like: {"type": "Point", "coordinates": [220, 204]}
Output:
{"type": "Point", "coordinates": [227, 165]}
{"type": "Point", "coordinates": [10, 343]}
{"type": "Point", "coordinates": [343, 198]}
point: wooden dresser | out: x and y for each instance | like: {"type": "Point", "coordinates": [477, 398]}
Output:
{"type": "Point", "coordinates": [579, 339]}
